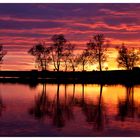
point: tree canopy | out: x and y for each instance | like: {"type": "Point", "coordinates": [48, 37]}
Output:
{"type": "Point", "coordinates": [41, 54]}
{"type": "Point", "coordinates": [127, 58]}
{"type": "Point", "coordinates": [98, 46]}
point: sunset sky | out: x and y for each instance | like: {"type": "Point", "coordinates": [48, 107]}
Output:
{"type": "Point", "coordinates": [23, 25]}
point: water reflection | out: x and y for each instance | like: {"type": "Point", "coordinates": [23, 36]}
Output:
{"type": "Point", "coordinates": [58, 111]}
{"type": "Point", "coordinates": [127, 108]}
{"type": "Point", "coordinates": [2, 105]}
{"type": "Point", "coordinates": [42, 105]}
{"type": "Point", "coordinates": [61, 110]}
{"type": "Point", "coordinates": [95, 112]}
{"type": "Point", "coordinates": [75, 109]}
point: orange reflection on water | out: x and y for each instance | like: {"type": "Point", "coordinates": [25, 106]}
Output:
{"type": "Point", "coordinates": [75, 109]}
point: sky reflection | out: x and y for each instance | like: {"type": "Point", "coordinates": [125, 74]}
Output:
{"type": "Point", "coordinates": [69, 110]}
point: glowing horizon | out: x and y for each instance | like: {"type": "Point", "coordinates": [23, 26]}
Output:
{"type": "Point", "coordinates": [23, 25]}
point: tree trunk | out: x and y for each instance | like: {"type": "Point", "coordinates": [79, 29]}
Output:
{"type": "Point", "coordinates": [66, 66]}
{"type": "Point", "coordinates": [83, 66]}
{"type": "Point", "coordinates": [100, 66]}
{"type": "Point", "coordinates": [58, 67]}
{"type": "Point", "coordinates": [73, 68]}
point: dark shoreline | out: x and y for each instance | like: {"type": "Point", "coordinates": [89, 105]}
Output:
{"type": "Point", "coordinates": [126, 77]}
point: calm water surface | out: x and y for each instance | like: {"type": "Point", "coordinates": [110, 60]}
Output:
{"type": "Point", "coordinates": [69, 110]}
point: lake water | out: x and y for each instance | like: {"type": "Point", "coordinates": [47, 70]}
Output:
{"type": "Point", "coordinates": [69, 110]}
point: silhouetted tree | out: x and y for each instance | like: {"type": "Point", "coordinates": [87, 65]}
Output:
{"type": "Point", "coordinates": [2, 53]}
{"type": "Point", "coordinates": [73, 62]}
{"type": "Point", "coordinates": [72, 59]}
{"type": "Point", "coordinates": [98, 48]}
{"type": "Point", "coordinates": [68, 54]}
{"type": "Point", "coordinates": [83, 59]}
{"type": "Point", "coordinates": [41, 54]}
{"type": "Point", "coordinates": [57, 50]}
{"type": "Point", "coordinates": [127, 58]}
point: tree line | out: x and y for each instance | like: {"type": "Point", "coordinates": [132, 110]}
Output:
{"type": "Point", "coordinates": [60, 53]}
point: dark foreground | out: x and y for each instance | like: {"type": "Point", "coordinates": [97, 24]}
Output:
{"type": "Point", "coordinates": [97, 77]}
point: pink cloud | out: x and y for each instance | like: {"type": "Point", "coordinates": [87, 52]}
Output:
{"type": "Point", "coordinates": [18, 19]}
{"type": "Point", "coordinates": [129, 13]}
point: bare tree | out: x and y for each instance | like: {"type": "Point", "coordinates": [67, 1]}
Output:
{"type": "Point", "coordinates": [127, 58]}
{"type": "Point", "coordinates": [41, 54]}
{"type": "Point", "coordinates": [83, 59]}
{"type": "Point", "coordinates": [73, 58]}
{"type": "Point", "coordinates": [68, 54]}
{"type": "Point", "coordinates": [57, 50]}
{"type": "Point", "coordinates": [73, 62]}
{"type": "Point", "coordinates": [97, 47]}
{"type": "Point", "coordinates": [2, 53]}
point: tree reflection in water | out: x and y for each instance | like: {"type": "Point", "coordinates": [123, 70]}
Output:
{"type": "Point", "coordinates": [127, 107]}
{"type": "Point", "coordinates": [63, 111]}
{"type": "Point", "coordinates": [95, 113]}
{"type": "Point", "coordinates": [57, 110]}
{"type": "Point", "coordinates": [60, 110]}
{"type": "Point", "coordinates": [68, 106]}
{"type": "Point", "coordinates": [42, 105]}
{"type": "Point", "coordinates": [58, 118]}
{"type": "Point", "coordinates": [2, 106]}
